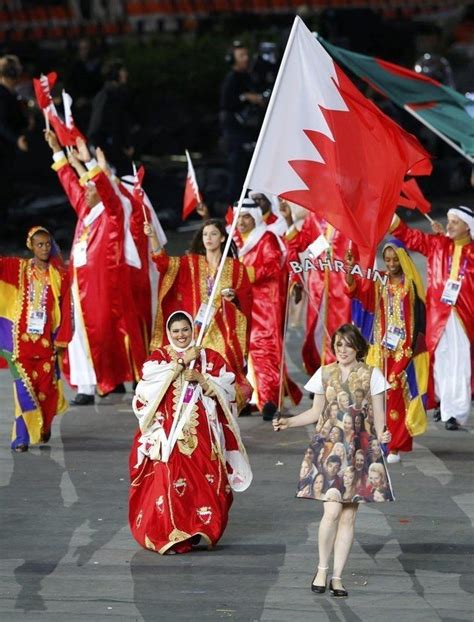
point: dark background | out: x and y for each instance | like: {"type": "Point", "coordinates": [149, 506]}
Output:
{"type": "Point", "coordinates": [174, 52]}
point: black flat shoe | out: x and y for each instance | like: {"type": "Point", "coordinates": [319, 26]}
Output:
{"type": "Point", "coordinates": [246, 411]}
{"type": "Point", "coordinates": [45, 437]}
{"type": "Point", "coordinates": [337, 593]}
{"type": "Point", "coordinates": [451, 424]}
{"type": "Point", "coordinates": [437, 415]}
{"type": "Point", "coordinates": [319, 589]}
{"type": "Point", "coordinates": [82, 399]}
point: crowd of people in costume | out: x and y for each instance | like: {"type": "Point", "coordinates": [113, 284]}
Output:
{"type": "Point", "coordinates": [379, 354]}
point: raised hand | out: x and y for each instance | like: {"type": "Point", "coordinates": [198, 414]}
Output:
{"type": "Point", "coordinates": [349, 259]}
{"type": "Point", "coordinates": [102, 161]}
{"type": "Point", "coordinates": [437, 227]}
{"type": "Point", "coordinates": [53, 142]}
{"type": "Point", "coordinates": [203, 210]}
{"type": "Point", "coordinates": [82, 150]}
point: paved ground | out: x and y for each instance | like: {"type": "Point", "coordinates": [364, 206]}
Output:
{"type": "Point", "coordinates": [67, 554]}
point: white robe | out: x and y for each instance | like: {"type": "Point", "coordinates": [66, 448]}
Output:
{"type": "Point", "coordinates": [452, 371]}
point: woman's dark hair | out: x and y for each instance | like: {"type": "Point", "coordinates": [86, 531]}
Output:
{"type": "Point", "coordinates": [197, 245]}
{"type": "Point", "coordinates": [352, 335]}
{"type": "Point", "coordinates": [177, 317]}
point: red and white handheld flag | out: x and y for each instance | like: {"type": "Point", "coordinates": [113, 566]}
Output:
{"type": "Point", "coordinates": [192, 196]}
{"type": "Point", "coordinates": [66, 130]}
{"type": "Point", "coordinates": [43, 87]}
{"type": "Point", "coordinates": [326, 147]}
{"type": "Point", "coordinates": [138, 191]}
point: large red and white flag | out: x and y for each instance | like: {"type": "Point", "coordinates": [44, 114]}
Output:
{"type": "Point", "coordinates": [326, 147]}
{"type": "Point", "coordinates": [192, 196]}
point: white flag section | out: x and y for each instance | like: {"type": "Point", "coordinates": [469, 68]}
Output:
{"type": "Point", "coordinates": [67, 104]}
{"type": "Point", "coordinates": [305, 82]}
{"type": "Point", "coordinates": [192, 176]}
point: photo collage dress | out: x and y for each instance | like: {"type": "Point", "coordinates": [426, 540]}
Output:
{"type": "Point", "coordinates": [344, 461]}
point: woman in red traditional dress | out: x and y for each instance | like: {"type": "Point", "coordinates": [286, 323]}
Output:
{"type": "Point", "coordinates": [181, 490]}
{"type": "Point", "coordinates": [186, 283]}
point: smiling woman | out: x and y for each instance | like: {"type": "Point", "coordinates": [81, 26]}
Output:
{"type": "Point", "coordinates": [174, 503]}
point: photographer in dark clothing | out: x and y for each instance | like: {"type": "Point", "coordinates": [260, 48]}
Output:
{"type": "Point", "coordinates": [111, 119]}
{"type": "Point", "coordinates": [241, 114]}
{"type": "Point", "coordinates": [13, 125]}
{"type": "Point", "coordinates": [13, 121]}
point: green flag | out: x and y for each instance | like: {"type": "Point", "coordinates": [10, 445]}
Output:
{"type": "Point", "coordinates": [440, 107]}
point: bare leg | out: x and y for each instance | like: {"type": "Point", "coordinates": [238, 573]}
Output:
{"type": "Point", "coordinates": [326, 536]}
{"type": "Point", "coordinates": [343, 541]}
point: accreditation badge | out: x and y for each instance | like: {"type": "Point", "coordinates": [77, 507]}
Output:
{"type": "Point", "coordinates": [80, 254]}
{"type": "Point", "coordinates": [199, 319]}
{"type": "Point", "coordinates": [451, 292]}
{"type": "Point", "coordinates": [392, 337]}
{"type": "Point", "coordinates": [36, 322]}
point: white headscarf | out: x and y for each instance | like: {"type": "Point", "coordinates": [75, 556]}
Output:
{"type": "Point", "coordinates": [466, 215]}
{"type": "Point", "coordinates": [279, 227]}
{"type": "Point", "coordinates": [254, 237]}
{"type": "Point", "coordinates": [170, 320]}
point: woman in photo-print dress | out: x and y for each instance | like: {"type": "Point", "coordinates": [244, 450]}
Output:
{"type": "Point", "coordinates": [344, 465]}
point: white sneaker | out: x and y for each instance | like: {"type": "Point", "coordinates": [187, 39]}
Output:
{"type": "Point", "coordinates": [393, 458]}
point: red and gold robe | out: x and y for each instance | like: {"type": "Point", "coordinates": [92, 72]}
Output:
{"type": "Point", "coordinates": [446, 259]}
{"type": "Point", "coordinates": [33, 358]}
{"type": "Point", "coordinates": [172, 503]}
{"type": "Point", "coordinates": [264, 263]}
{"type": "Point", "coordinates": [116, 346]}
{"type": "Point", "coordinates": [328, 307]}
{"type": "Point", "coordinates": [406, 367]}
{"type": "Point", "coordinates": [184, 286]}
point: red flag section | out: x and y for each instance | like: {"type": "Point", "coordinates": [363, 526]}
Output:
{"type": "Point", "coordinates": [357, 186]}
{"type": "Point", "coordinates": [192, 196]}
{"type": "Point", "coordinates": [43, 87]}
{"type": "Point", "coordinates": [413, 198]}
{"type": "Point", "coordinates": [67, 136]}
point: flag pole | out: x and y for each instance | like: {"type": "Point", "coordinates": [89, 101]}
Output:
{"type": "Point", "coordinates": [179, 422]}
{"type": "Point", "coordinates": [281, 391]}
{"type": "Point", "coordinates": [46, 120]}
{"type": "Point", "coordinates": [438, 133]}
{"type": "Point", "coordinates": [142, 201]}
{"type": "Point", "coordinates": [428, 218]}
